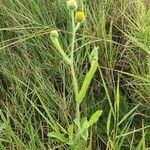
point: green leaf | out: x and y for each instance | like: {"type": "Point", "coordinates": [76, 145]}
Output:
{"type": "Point", "coordinates": [85, 135]}
{"type": "Point", "coordinates": [128, 114]}
{"type": "Point", "coordinates": [70, 133]}
{"type": "Point", "coordinates": [108, 123]}
{"type": "Point", "coordinates": [94, 55]}
{"type": "Point", "coordinates": [83, 132]}
{"type": "Point", "coordinates": [94, 118]}
{"type": "Point", "coordinates": [83, 121]}
{"type": "Point", "coordinates": [58, 136]}
{"type": "Point", "coordinates": [89, 75]}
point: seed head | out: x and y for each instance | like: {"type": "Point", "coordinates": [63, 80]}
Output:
{"type": "Point", "coordinates": [54, 34]}
{"type": "Point", "coordinates": [79, 16]}
{"type": "Point", "coordinates": [72, 4]}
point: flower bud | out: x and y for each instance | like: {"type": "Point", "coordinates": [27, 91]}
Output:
{"type": "Point", "coordinates": [54, 34]}
{"type": "Point", "coordinates": [72, 4]}
{"type": "Point", "coordinates": [79, 16]}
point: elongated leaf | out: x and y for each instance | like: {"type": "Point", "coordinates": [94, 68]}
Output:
{"type": "Point", "coordinates": [58, 136]}
{"type": "Point", "coordinates": [84, 131]}
{"type": "Point", "coordinates": [70, 133]}
{"type": "Point", "coordinates": [89, 75]}
{"type": "Point", "coordinates": [128, 114]}
{"type": "Point", "coordinates": [94, 118]}
{"type": "Point", "coordinates": [85, 135]}
{"type": "Point", "coordinates": [108, 122]}
{"type": "Point", "coordinates": [94, 55]}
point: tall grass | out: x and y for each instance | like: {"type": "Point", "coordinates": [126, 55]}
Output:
{"type": "Point", "coordinates": [36, 92]}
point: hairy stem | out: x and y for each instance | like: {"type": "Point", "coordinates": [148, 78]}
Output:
{"type": "Point", "coordinates": [75, 83]}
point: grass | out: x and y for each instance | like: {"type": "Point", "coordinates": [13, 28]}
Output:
{"type": "Point", "coordinates": [36, 91]}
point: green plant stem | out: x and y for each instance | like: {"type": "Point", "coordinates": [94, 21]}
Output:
{"type": "Point", "coordinates": [75, 83]}
{"type": "Point", "coordinates": [61, 51]}
{"type": "Point", "coordinates": [78, 114]}
{"type": "Point", "coordinates": [73, 35]}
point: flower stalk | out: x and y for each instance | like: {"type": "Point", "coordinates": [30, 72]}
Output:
{"type": "Point", "coordinates": [56, 43]}
{"type": "Point", "coordinates": [81, 124]}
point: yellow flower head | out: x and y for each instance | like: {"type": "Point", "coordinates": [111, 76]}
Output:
{"type": "Point", "coordinates": [79, 16]}
{"type": "Point", "coordinates": [54, 34]}
{"type": "Point", "coordinates": [72, 4]}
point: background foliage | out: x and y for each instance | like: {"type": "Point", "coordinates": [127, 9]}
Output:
{"type": "Point", "coordinates": [35, 84]}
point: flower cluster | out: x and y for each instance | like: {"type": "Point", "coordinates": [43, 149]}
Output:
{"type": "Point", "coordinates": [79, 15]}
